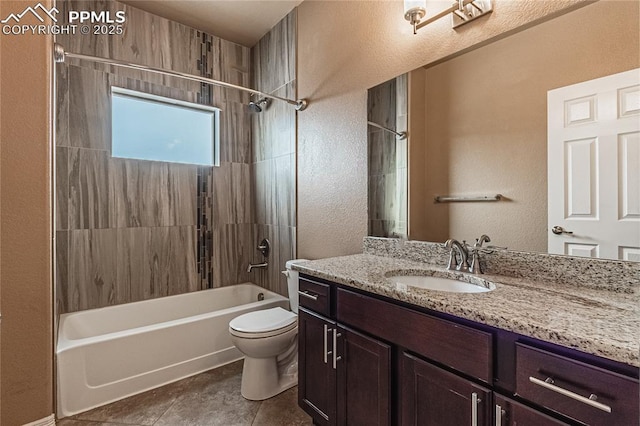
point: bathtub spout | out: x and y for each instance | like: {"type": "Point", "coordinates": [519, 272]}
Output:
{"type": "Point", "coordinates": [258, 265]}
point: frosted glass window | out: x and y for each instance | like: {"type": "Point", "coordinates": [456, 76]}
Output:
{"type": "Point", "coordinates": [148, 127]}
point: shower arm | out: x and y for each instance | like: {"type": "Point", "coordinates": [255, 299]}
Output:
{"type": "Point", "coordinates": [59, 56]}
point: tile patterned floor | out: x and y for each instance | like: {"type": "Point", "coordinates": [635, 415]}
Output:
{"type": "Point", "coordinates": [208, 399]}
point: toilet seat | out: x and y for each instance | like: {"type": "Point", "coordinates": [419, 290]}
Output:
{"type": "Point", "coordinates": [264, 323]}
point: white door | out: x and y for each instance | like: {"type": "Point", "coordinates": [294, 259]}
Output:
{"type": "Point", "coordinates": [594, 168]}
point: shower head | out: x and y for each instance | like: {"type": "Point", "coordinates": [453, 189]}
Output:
{"type": "Point", "coordinates": [257, 106]}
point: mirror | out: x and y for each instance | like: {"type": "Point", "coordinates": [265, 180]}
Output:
{"type": "Point", "coordinates": [477, 127]}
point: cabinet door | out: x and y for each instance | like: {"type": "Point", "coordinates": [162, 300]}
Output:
{"type": "Point", "coordinates": [316, 376]}
{"type": "Point", "coordinates": [512, 413]}
{"type": "Point", "coordinates": [364, 376]}
{"type": "Point", "coordinates": [433, 396]}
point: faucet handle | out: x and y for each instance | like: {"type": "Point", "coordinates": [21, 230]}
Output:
{"type": "Point", "coordinates": [483, 239]}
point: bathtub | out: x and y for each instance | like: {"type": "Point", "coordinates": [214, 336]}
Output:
{"type": "Point", "coordinates": [107, 354]}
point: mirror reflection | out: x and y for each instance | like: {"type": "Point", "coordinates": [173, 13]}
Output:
{"type": "Point", "coordinates": [479, 125]}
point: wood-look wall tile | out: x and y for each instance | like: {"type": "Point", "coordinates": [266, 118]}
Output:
{"type": "Point", "coordinates": [381, 197]}
{"type": "Point", "coordinates": [152, 193]}
{"type": "Point", "coordinates": [89, 204]}
{"type": "Point", "coordinates": [285, 180]}
{"type": "Point", "coordinates": [233, 250]}
{"type": "Point", "coordinates": [62, 188]}
{"type": "Point", "coordinates": [264, 190]}
{"type": "Point", "coordinates": [62, 105]}
{"type": "Point", "coordinates": [235, 133]}
{"type": "Point", "coordinates": [89, 109]}
{"type": "Point", "coordinates": [274, 129]}
{"type": "Point", "coordinates": [286, 252]}
{"type": "Point", "coordinates": [264, 277]}
{"type": "Point", "coordinates": [157, 262]}
{"type": "Point", "coordinates": [235, 68]}
{"type": "Point", "coordinates": [381, 228]}
{"type": "Point", "coordinates": [231, 193]}
{"type": "Point", "coordinates": [62, 271]}
{"type": "Point", "coordinates": [381, 152]}
{"type": "Point", "coordinates": [381, 104]}
{"type": "Point", "coordinates": [274, 56]}
{"type": "Point", "coordinates": [93, 270]}
{"type": "Point", "coordinates": [283, 241]}
{"type": "Point", "coordinates": [240, 193]}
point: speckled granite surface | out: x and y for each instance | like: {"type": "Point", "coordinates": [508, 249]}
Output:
{"type": "Point", "coordinates": [597, 321]}
{"type": "Point", "coordinates": [611, 275]}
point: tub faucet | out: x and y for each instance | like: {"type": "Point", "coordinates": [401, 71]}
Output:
{"type": "Point", "coordinates": [257, 265]}
{"type": "Point", "coordinates": [455, 246]}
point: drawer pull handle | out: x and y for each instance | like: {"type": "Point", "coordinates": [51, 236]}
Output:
{"type": "Point", "coordinates": [474, 409]}
{"type": "Point", "coordinates": [336, 358]}
{"type": "Point", "coordinates": [499, 413]}
{"type": "Point", "coordinates": [591, 400]}
{"type": "Point", "coordinates": [308, 295]}
{"type": "Point", "coordinates": [326, 330]}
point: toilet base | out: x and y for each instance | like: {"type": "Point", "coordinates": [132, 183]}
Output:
{"type": "Point", "coordinates": [262, 378]}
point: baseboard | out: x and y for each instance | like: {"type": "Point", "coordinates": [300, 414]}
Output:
{"type": "Point", "coordinates": [47, 421]}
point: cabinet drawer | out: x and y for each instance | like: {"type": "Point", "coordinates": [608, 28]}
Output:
{"type": "Point", "coordinates": [462, 348]}
{"type": "Point", "coordinates": [580, 391]}
{"type": "Point", "coordinates": [314, 296]}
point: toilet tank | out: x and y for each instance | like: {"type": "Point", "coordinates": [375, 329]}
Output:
{"type": "Point", "coordinates": [292, 283]}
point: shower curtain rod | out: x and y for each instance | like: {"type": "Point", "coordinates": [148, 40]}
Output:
{"type": "Point", "coordinates": [59, 55]}
{"type": "Point", "coordinates": [399, 135]}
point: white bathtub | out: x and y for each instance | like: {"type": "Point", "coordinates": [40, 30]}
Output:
{"type": "Point", "coordinates": [107, 354]}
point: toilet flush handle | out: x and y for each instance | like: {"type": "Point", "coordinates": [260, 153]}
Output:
{"type": "Point", "coordinates": [286, 273]}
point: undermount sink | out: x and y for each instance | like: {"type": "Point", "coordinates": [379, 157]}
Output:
{"type": "Point", "coordinates": [441, 284]}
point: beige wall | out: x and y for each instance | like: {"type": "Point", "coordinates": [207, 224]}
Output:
{"type": "Point", "coordinates": [485, 114]}
{"type": "Point", "coordinates": [344, 48]}
{"type": "Point", "coordinates": [26, 349]}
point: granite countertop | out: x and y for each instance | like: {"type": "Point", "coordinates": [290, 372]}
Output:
{"type": "Point", "coordinates": [596, 321]}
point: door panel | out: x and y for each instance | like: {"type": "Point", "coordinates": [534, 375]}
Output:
{"type": "Point", "coordinates": [432, 396]}
{"type": "Point", "coordinates": [364, 380]}
{"type": "Point", "coordinates": [511, 413]}
{"type": "Point", "coordinates": [316, 377]}
{"type": "Point", "coordinates": [594, 167]}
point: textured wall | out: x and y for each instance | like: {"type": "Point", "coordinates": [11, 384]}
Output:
{"type": "Point", "coordinates": [273, 170]}
{"type": "Point", "coordinates": [344, 49]}
{"type": "Point", "coordinates": [387, 158]}
{"type": "Point", "coordinates": [475, 146]}
{"type": "Point", "coordinates": [26, 360]}
{"type": "Point", "coordinates": [131, 230]}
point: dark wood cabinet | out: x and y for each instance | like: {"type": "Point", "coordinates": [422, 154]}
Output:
{"type": "Point", "coordinates": [512, 413]}
{"type": "Point", "coordinates": [316, 376]}
{"type": "Point", "coordinates": [369, 360]}
{"type": "Point", "coordinates": [431, 396]}
{"type": "Point", "coordinates": [344, 376]}
{"type": "Point", "coordinates": [364, 380]}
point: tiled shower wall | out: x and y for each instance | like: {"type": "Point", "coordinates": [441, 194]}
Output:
{"type": "Point", "coordinates": [129, 230]}
{"type": "Point", "coordinates": [387, 157]}
{"type": "Point", "coordinates": [273, 171]}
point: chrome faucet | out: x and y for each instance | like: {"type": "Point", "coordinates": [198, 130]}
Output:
{"type": "Point", "coordinates": [461, 249]}
{"type": "Point", "coordinates": [257, 265]}
{"type": "Point", "coordinates": [475, 267]}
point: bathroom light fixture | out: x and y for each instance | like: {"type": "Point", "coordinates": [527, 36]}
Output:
{"type": "Point", "coordinates": [462, 12]}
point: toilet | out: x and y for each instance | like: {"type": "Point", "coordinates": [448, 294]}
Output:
{"type": "Point", "coordinates": [269, 341]}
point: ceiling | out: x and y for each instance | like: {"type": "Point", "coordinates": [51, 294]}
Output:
{"type": "Point", "coordinates": [240, 21]}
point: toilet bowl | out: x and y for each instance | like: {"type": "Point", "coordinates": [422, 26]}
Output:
{"type": "Point", "coordinates": [269, 341]}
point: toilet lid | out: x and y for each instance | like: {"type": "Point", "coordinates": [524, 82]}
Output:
{"type": "Point", "coordinates": [264, 321]}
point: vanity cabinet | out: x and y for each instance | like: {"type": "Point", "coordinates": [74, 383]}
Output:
{"type": "Point", "coordinates": [369, 360]}
{"type": "Point", "coordinates": [344, 376]}
{"type": "Point", "coordinates": [432, 396]}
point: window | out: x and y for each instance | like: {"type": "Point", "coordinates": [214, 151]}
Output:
{"type": "Point", "coordinates": [149, 127]}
